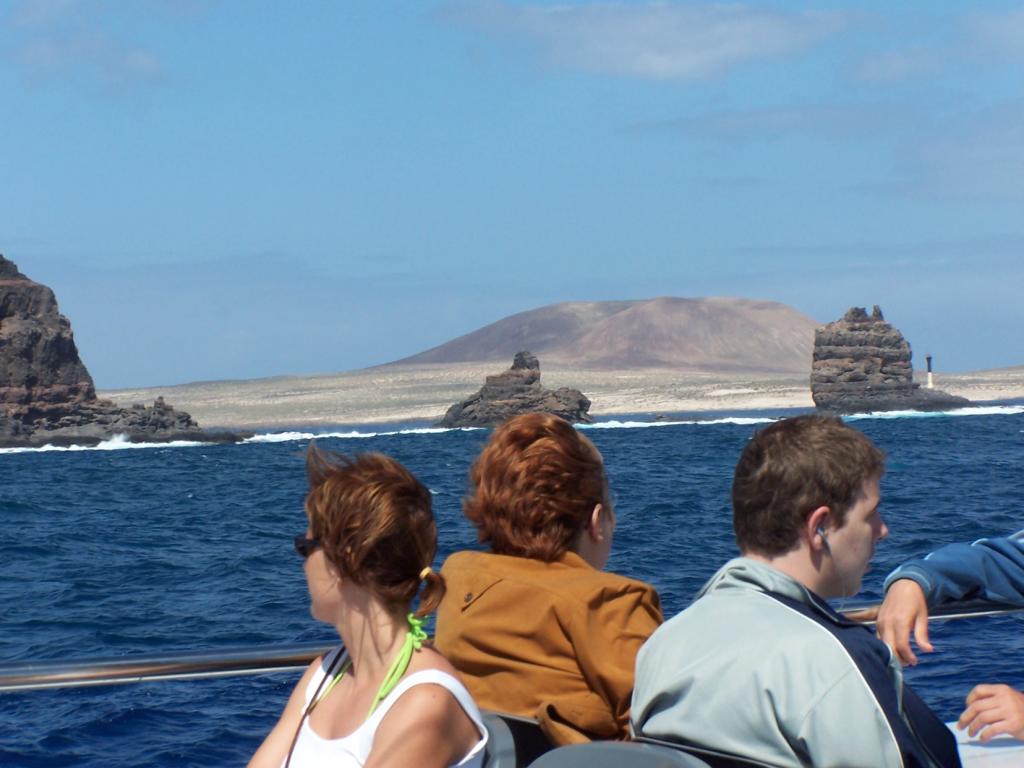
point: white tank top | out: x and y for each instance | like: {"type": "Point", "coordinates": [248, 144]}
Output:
{"type": "Point", "coordinates": [312, 750]}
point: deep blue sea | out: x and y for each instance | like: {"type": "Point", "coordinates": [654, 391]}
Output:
{"type": "Point", "coordinates": [146, 550]}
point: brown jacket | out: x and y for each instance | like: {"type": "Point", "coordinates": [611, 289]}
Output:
{"type": "Point", "coordinates": [553, 641]}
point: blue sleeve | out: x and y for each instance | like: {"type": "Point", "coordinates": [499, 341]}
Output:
{"type": "Point", "coordinates": [990, 569]}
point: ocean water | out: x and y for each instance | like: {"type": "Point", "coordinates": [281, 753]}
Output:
{"type": "Point", "coordinates": [143, 550]}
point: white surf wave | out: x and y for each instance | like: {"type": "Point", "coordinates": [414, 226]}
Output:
{"type": "Point", "coordinates": [286, 437]}
{"type": "Point", "coordinates": [974, 410]}
{"type": "Point", "coordinates": [116, 443]}
{"type": "Point", "coordinates": [740, 420]}
{"type": "Point", "coordinates": [121, 442]}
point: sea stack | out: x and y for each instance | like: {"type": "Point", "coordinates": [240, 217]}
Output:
{"type": "Point", "coordinates": [46, 393]}
{"type": "Point", "coordinates": [517, 390]}
{"type": "Point", "coordinates": [862, 364]}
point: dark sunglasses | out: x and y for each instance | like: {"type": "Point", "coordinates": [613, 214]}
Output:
{"type": "Point", "coordinates": [306, 546]}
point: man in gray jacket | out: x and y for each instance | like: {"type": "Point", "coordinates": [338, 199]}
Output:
{"type": "Point", "coordinates": [759, 665]}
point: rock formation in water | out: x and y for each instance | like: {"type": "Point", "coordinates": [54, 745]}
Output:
{"type": "Point", "coordinates": [862, 364]}
{"type": "Point", "coordinates": [517, 390]}
{"type": "Point", "coordinates": [46, 393]}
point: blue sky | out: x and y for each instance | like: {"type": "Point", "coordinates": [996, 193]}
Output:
{"type": "Point", "coordinates": [238, 189]}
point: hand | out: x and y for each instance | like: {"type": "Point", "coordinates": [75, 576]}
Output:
{"type": "Point", "coordinates": [993, 709]}
{"type": "Point", "coordinates": [903, 609]}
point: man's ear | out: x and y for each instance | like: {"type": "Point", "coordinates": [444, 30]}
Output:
{"type": "Point", "coordinates": [814, 526]}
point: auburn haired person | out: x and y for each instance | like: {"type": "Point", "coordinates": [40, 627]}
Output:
{"type": "Point", "coordinates": [534, 626]}
{"type": "Point", "coordinates": [383, 698]}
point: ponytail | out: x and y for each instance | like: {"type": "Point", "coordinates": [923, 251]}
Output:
{"type": "Point", "coordinates": [433, 590]}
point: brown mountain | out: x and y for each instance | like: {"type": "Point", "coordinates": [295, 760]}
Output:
{"type": "Point", "coordinates": [712, 334]}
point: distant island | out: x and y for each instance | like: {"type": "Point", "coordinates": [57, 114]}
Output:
{"type": "Point", "coordinates": [707, 334]}
{"type": "Point", "coordinates": [656, 356]}
{"type": "Point", "coordinates": [47, 396]}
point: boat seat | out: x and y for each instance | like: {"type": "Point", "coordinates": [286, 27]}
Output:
{"type": "Point", "coordinates": [712, 757]}
{"type": "Point", "coordinates": [512, 741]}
{"type": "Point", "coordinates": [642, 753]}
{"type": "Point", "coordinates": [617, 754]}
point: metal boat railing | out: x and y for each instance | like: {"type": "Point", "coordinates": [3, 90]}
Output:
{"type": "Point", "coordinates": [866, 611]}
{"type": "Point", "coordinates": [253, 660]}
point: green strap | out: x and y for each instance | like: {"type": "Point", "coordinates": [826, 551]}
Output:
{"type": "Point", "coordinates": [413, 642]}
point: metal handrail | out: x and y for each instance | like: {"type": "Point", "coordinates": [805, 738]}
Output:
{"type": "Point", "coordinates": [961, 609]}
{"type": "Point", "coordinates": [189, 665]}
{"type": "Point", "coordinates": [253, 660]}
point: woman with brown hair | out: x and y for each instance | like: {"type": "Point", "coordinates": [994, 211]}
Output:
{"type": "Point", "coordinates": [383, 698]}
{"type": "Point", "coordinates": [535, 627]}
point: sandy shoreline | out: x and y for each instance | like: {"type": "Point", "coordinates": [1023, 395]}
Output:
{"type": "Point", "coordinates": [423, 393]}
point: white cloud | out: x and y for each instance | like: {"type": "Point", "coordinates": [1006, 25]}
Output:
{"type": "Point", "coordinates": [892, 66]}
{"type": "Point", "coordinates": [832, 122]}
{"type": "Point", "coordinates": [975, 36]}
{"type": "Point", "coordinates": [657, 40]}
{"type": "Point", "coordinates": [43, 12]}
{"type": "Point", "coordinates": [66, 39]}
{"type": "Point", "coordinates": [978, 159]}
{"type": "Point", "coordinates": [999, 34]}
{"type": "Point", "coordinates": [983, 160]}
{"type": "Point", "coordinates": [113, 64]}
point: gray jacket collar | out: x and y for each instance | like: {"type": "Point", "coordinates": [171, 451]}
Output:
{"type": "Point", "coordinates": [745, 573]}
